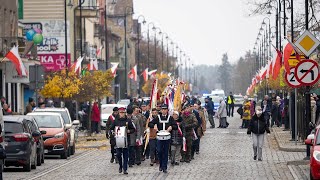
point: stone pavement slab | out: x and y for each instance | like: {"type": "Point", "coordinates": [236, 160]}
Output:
{"type": "Point", "coordinates": [284, 144]}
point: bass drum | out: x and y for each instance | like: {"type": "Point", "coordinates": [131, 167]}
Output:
{"type": "Point", "coordinates": [163, 135]}
{"type": "Point", "coordinates": [121, 136]}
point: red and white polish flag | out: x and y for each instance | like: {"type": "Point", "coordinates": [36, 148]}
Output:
{"type": "Point", "coordinates": [114, 67]}
{"type": "Point", "coordinates": [14, 57]}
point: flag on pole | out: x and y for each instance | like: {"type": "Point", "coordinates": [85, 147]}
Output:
{"type": "Point", "coordinates": [14, 57]}
{"type": "Point", "coordinates": [77, 67]}
{"type": "Point", "coordinates": [277, 65]}
{"type": "Point", "coordinates": [133, 73]}
{"type": "Point", "coordinates": [93, 66]}
{"type": "Point", "coordinates": [99, 51]}
{"type": "Point", "coordinates": [152, 74]}
{"type": "Point", "coordinates": [289, 50]}
{"type": "Point", "coordinates": [145, 75]}
{"type": "Point", "coordinates": [154, 93]}
{"type": "Point", "coordinates": [114, 67]}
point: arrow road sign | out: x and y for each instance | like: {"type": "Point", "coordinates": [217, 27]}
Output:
{"type": "Point", "coordinates": [291, 79]}
{"type": "Point", "coordinates": [307, 72]}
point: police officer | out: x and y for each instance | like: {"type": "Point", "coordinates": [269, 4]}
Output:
{"type": "Point", "coordinates": [122, 153]}
{"type": "Point", "coordinates": [163, 145]}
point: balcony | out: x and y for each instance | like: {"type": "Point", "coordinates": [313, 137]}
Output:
{"type": "Point", "coordinates": [6, 43]}
{"type": "Point", "coordinates": [89, 9]}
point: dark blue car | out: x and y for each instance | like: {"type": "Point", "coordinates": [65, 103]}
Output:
{"type": "Point", "coordinates": [21, 142]}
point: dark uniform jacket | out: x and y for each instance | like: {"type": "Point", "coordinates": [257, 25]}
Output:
{"type": "Point", "coordinates": [124, 122]}
{"type": "Point", "coordinates": [171, 123]}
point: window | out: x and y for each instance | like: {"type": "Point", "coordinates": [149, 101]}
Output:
{"type": "Point", "coordinates": [47, 121]}
{"type": "Point", "coordinates": [13, 127]}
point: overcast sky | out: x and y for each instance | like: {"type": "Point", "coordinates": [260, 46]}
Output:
{"type": "Point", "coordinates": [204, 29]}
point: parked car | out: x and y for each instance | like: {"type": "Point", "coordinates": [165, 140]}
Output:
{"type": "Point", "coordinates": [314, 140]}
{"type": "Point", "coordinates": [125, 102]}
{"type": "Point", "coordinates": [67, 121]}
{"type": "Point", "coordinates": [21, 143]}
{"type": "Point", "coordinates": [39, 140]}
{"type": "Point", "coordinates": [57, 138]}
{"type": "Point", "coordinates": [106, 111]}
{"type": "Point", "coordinates": [2, 142]}
{"type": "Point", "coordinates": [238, 100]}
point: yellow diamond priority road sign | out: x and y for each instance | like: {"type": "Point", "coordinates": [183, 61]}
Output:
{"type": "Point", "coordinates": [307, 43]}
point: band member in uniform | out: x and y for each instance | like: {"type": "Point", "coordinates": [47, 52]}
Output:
{"type": "Point", "coordinates": [110, 133]}
{"type": "Point", "coordinates": [122, 153]}
{"type": "Point", "coordinates": [163, 145]}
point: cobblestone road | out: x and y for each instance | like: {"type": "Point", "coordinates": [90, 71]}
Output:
{"type": "Point", "coordinates": [224, 154]}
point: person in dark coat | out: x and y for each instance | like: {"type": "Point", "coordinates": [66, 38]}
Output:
{"type": "Point", "coordinates": [110, 133]}
{"type": "Point", "coordinates": [209, 107]}
{"type": "Point", "coordinates": [30, 106]}
{"type": "Point", "coordinates": [176, 139]}
{"type": "Point", "coordinates": [266, 106]}
{"type": "Point", "coordinates": [122, 153]}
{"type": "Point", "coordinates": [257, 128]}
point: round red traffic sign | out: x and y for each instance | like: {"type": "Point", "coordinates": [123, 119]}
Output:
{"type": "Point", "coordinates": [307, 72]}
{"type": "Point", "coordinates": [291, 79]}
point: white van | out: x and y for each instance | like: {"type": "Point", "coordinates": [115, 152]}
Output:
{"type": "Point", "coordinates": [218, 92]}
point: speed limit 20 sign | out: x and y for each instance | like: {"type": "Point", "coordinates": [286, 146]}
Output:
{"type": "Point", "coordinates": [291, 79]}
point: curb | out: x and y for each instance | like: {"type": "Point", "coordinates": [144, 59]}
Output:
{"type": "Point", "coordinates": [92, 147]}
{"type": "Point", "coordinates": [286, 149]}
{"type": "Point", "coordinates": [299, 162]}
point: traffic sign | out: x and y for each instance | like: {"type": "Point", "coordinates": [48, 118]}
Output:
{"type": "Point", "coordinates": [291, 79]}
{"type": "Point", "coordinates": [293, 61]}
{"type": "Point", "coordinates": [307, 43]}
{"type": "Point", "coordinates": [307, 72]}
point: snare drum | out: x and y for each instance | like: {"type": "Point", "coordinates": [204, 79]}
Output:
{"type": "Point", "coordinates": [121, 136]}
{"type": "Point", "coordinates": [163, 135]}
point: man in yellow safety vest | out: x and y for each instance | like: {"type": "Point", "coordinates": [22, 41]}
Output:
{"type": "Point", "coordinates": [230, 101]}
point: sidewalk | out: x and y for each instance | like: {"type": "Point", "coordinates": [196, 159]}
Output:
{"type": "Point", "coordinates": [284, 144]}
{"type": "Point", "coordinates": [94, 141]}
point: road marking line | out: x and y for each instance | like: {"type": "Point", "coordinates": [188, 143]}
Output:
{"type": "Point", "coordinates": [62, 165]}
{"type": "Point", "coordinates": [293, 173]}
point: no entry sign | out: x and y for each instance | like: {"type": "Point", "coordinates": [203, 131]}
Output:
{"type": "Point", "coordinates": [291, 79]}
{"type": "Point", "coordinates": [307, 72]}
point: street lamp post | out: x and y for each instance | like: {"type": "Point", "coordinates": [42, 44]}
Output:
{"type": "Point", "coordinates": [138, 60]}
{"type": "Point", "coordinates": [155, 45]}
{"type": "Point", "coordinates": [125, 46]}
{"type": "Point", "coordinates": [167, 53]}
{"type": "Point", "coordinates": [149, 43]}
{"type": "Point", "coordinates": [162, 49]}
{"type": "Point", "coordinates": [106, 32]}
{"type": "Point", "coordinates": [66, 33]}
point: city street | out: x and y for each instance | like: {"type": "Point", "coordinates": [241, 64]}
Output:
{"type": "Point", "coordinates": [224, 154]}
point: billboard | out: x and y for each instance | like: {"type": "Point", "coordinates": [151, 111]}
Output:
{"type": "Point", "coordinates": [51, 52]}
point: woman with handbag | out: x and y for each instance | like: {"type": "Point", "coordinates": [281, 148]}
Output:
{"type": "Point", "coordinates": [257, 127]}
